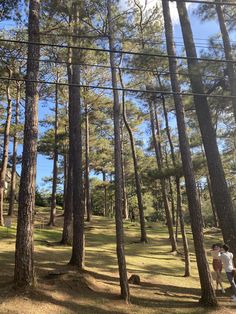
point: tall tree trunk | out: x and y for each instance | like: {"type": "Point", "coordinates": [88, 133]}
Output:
{"type": "Point", "coordinates": [215, 218]}
{"type": "Point", "coordinates": [199, 194]}
{"type": "Point", "coordinates": [125, 294]}
{"type": "Point", "coordinates": [172, 202]}
{"type": "Point", "coordinates": [162, 181]}
{"type": "Point", "coordinates": [68, 209]}
{"type": "Point", "coordinates": [87, 162]}
{"type": "Point", "coordinates": [65, 180]}
{"type": "Point", "coordinates": [14, 155]}
{"type": "Point", "coordinates": [143, 237]}
{"type": "Point", "coordinates": [105, 194]}
{"type": "Point", "coordinates": [220, 191]}
{"type": "Point", "coordinates": [208, 297]}
{"type": "Point", "coordinates": [4, 164]}
{"type": "Point", "coordinates": [125, 200]}
{"type": "Point", "coordinates": [78, 245]}
{"type": "Point", "coordinates": [55, 163]}
{"type": "Point", "coordinates": [183, 233]}
{"type": "Point", "coordinates": [171, 148]}
{"type": "Point", "coordinates": [68, 192]}
{"type": "Point", "coordinates": [228, 54]}
{"type": "Point", "coordinates": [24, 262]}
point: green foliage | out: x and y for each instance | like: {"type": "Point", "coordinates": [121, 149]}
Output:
{"type": "Point", "coordinates": [7, 7]}
{"type": "Point", "coordinates": [41, 199]}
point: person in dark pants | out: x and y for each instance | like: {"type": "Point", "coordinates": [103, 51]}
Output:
{"type": "Point", "coordinates": [227, 260]}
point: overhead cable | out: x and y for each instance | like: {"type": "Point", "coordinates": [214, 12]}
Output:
{"type": "Point", "coordinates": [159, 55]}
{"type": "Point", "coordinates": [131, 90]}
{"type": "Point", "coordinates": [103, 66]}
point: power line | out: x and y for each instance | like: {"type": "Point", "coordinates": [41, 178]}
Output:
{"type": "Point", "coordinates": [206, 2]}
{"type": "Point", "coordinates": [148, 41]}
{"type": "Point", "coordinates": [116, 51]}
{"type": "Point", "coordinates": [163, 92]}
{"type": "Point", "coordinates": [177, 43]}
{"type": "Point", "coordinates": [103, 66]}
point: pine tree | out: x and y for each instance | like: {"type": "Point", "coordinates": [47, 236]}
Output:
{"type": "Point", "coordinates": [24, 261]}
{"type": "Point", "coordinates": [221, 195]}
{"type": "Point", "coordinates": [208, 294]}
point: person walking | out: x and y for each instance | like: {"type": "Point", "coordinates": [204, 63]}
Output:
{"type": "Point", "coordinates": [227, 260]}
{"type": "Point", "coordinates": [217, 265]}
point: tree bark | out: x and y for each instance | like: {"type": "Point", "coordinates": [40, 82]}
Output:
{"type": "Point", "coordinates": [4, 164]}
{"type": "Point", "coordinates": [173, 211]}
{"type": "Point", "coordinates": [87, 162]}
{"type": "Point", "coordinates": [105, 194]}
{"type": "Point", "coordinates": [162, 181]}
{"type": "Point", "coordinates": [228, 54]}
{"type": "Point", "coordinates": [24, 262]}
{"type": "Point", "coordinates": [68, 190]}
{"type": "Point", "coordinates": [65, 166]}
{"type": "Point", "coordinates": [14, 155]}
{"type": "Point", "coordinates": [125, 200]}
{"type": "Point", "coordinates": [68, 209]}
{"type": "Point", "coordinates": [208, 297]}
{"type": "Point", "coordinates": [55, 163]}
{"type": "Point", "coordinates": [215, 218]}
{"type": "Point", "coordinates": [125, 294]}
{"type": "Point", "coordinates": [187, 271]}
{"type": "Point", "coordinates": [172, 153]}
{"type": "Point", "coordinates": [78, 253]}
{"type": "Point", "coordinates": [143, 237]}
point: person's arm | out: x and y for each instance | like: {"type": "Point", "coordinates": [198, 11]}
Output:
{"type": "Point", "coordinates": [221, 256]}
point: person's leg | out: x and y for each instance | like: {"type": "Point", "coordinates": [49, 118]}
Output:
{"type": "Point", "coordinates": [216, 279]}
{"type": "Point", "coordinates": [219, 280]}
{"type": "Point", "coordinates": [232, 282]}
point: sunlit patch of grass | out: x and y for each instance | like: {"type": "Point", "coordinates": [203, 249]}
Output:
{"type": "Point", "coordinates": [163, 288]}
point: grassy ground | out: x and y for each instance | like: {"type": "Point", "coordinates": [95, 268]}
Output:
{"type": "Point", "coordinates": [163, 288]}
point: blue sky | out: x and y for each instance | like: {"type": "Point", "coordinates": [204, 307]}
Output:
{"type": "Point", "coordinates": [200, 30]}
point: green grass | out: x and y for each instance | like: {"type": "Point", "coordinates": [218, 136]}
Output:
{"type": "Point", "coordinates": [163, 288]}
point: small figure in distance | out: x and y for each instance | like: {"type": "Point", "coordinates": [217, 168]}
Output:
{"type": "Point", "coordinates": [227, 260]}
{"type": "Point", "coordinates": [217, 265]}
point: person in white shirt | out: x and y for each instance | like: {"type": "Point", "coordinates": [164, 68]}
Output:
{"type": "Point", "coordinates": [227, 260]}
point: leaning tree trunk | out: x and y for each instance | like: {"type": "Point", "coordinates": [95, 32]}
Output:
{"type": "Point", "coordinates": [78, 245]}
{"type": "Point", "coordinates": [162, 181]}
{"type": "Point", "coordinates": [55, 164]}
{"type": "Point", "coordinates": [220, 191]}
{"type": "Point", "coordinates": [118, 167]}
{"type": "Point", "coordinates": [143, 237]}
{"type": "Point", "coordinates": [87, 162]}
{"type": "Point", "coordinates": [228, 54]}
{"type": "Point", "coordinates": [24, 262]}
{"type": "Point", "coordinates": [4, 164]}
{"type": "Point", "coordinates": [208, 297]}
{"type": "Point", "coordinates": [14, 155]}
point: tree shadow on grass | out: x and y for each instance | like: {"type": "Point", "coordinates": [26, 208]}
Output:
{"type": "Point", "coordinates": [41, 296]}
